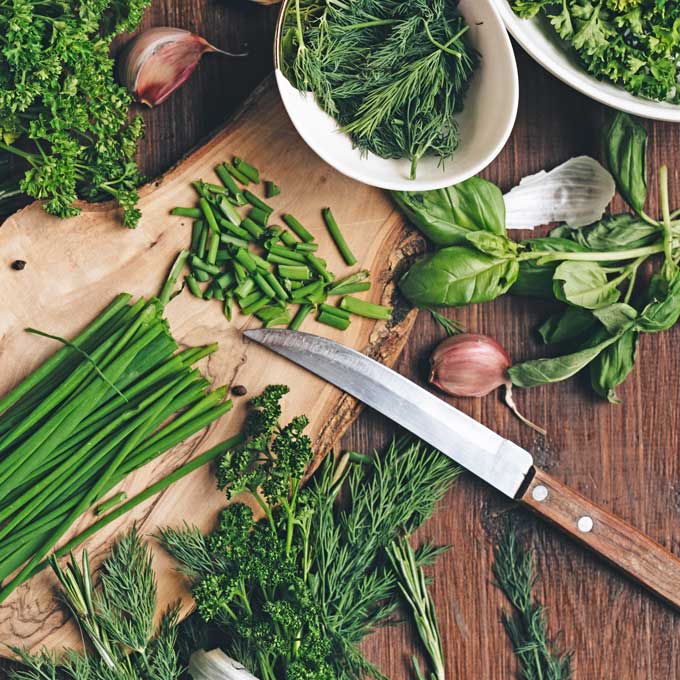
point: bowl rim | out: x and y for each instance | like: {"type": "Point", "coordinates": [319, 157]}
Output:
{"type": "Point", "coordinates": [446, 180]}
{"type": "Point", "coordinates": [603, 92]}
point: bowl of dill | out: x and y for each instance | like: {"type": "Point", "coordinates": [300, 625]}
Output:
{"type": "Point", "coordinates": [402, 95]}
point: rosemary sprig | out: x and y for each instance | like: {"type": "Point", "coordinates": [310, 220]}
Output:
{"type": "Point", "coordinates": [451, 326]}
{"type": "Point", "coordinates": [527, 628]}
{"type": "Point", "coordinates": [408, 565]}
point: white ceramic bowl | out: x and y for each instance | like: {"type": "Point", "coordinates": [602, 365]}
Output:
{"type": "Point", "coordinates": [485, 123]}
{"type": "Point", "coordinates": [541, 42]}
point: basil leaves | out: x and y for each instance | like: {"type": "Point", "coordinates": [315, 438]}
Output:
{"type": "Point", "coordinates": [447, 216]}
{"type": "Point", "coordinates": [590, 273]}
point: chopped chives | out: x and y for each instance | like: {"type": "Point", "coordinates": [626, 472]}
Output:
{"type": "Point", "coordinates": [209, 215]}
{"type": "Point", "coordinates": [368, 309]}
{"type": "Point", "coordinates": [255, 230]}
{"type": "Point", "coordinates": [257, 202]}
{"type": "Point", "coordinates": [271, 189]}
{"type": "Point", "coordinates": [193, 286]}
{"type": "Point", "coordinates": [218, 293]}
{"type": "Point", "coordinates": [317, 298]}
{"type": "Point", "coordinates": [290, 254]}
{"type": "Point", "coordinates": [240, 272]}
{"type": "Point", "coordinates": [264, 286]}
{"type": "Point", "coordinates": [197, 263]}
{"type": "Point", "coordinates": [279, 290]}
{"type": "Point", "coordinates": [202, 243]}
{"type": "Point", "coordinates": [282, 319]}
{"type": "Point", "coordinates": [306, 247]}
{"type": "Point", "coordinates": [199, 185]}
{"type": "Point", "coordinates": [329, 309]}
{"type": "Point", "coordinates": [244, 258]}
{"type": "Point", "coordinates": [251, 172]}
{"type": "Point", "coordinates": [309, 289]}
{"type": "Point", "coordinates": [260, 262]}
{"type": "Point", "coordinates": [277, 259]}
{"type": "Point", "coordinates": [294, 272]}
{"type": "Point", "coordinates": [337, 236]}
{"type": "Point", "coordinates": [348, 288]}
{"type": "Point", "coordinates": [250, 299]}
{"type": "Point", "coordinates": [228, 182]}
{"type": "Point", "coordinates": [288, 239]}
{"type": "Point", "coordinates": [228, 210]}
{"type": "Point", "coordinates": [319, 266]}
{"type": "Point", "coordinates": [273, 313]}
{"type": "Point", "coordinates": [166, 293]}
{"type": "Point", "coordinates": [196, 231]}
{"type": "Point", "coordinates": [226, 310]}
{"type": "Point", "coordinates": [200, 275]}
{"type": "Point", "coordinates": [224, 281]}
{"type": "Point", "coordinates": [245, 288]}
{"type": "Point", "coordinates": [237, 174]}
{"type": "Point", "coordinates": [352, 278]}
{"type": "Point", "coordinates": [295, 225]}
{"type": "Point", "coordinates": [208, 293]}
{"type": "Point", "coordinates": [259, 216]}
{"type": "Point", "coordinates": [235, 230]}
{"type": "Point", "coordinates": [302, 314]}
{"type": "Point", "coordinates": [215, 189]}
{"type": "Point", "coordinates": [255, 306]}
{"type": "Point", "coordinates": [294, 285]}
{"type": "Point", "coordinates": [233, 241]}
{"type": "Point", "coordinates": [212, 247]}
{"type": "Point", "coordinates": [194, 213]}
{"type": "Point", "coordinates": [333, 320]}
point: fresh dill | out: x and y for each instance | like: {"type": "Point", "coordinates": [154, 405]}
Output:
{"type": "Point", "coordinates": [526, 626]}
{"type": "Point", "coordinates": [294, 593]}
{"type": "Point", "coordinates": [117, 620]}
{"type": "Point", "coordinates": [392, 73]}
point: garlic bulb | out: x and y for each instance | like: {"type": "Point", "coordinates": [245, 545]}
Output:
{"type": "Point", "coordinates": [157, 61]}
{"type": "Point", "coordinates": [469, 365]}
{"type": "Point", "coordinates": [216, 665]}
{"type": "Point", "coordinates": [576, 192]}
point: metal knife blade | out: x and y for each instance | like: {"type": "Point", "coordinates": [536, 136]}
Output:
{"type": "Point", "coordinates": [486, 454]}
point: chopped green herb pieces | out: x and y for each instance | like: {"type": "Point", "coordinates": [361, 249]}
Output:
{"type": "Point", "coordinates": [247, 169]}
{"type": "Point", "coordinates": [296, 227]}
{"type": "Point", "coordinates": [367, 309]}
{"type": "Point", "coordinates": [271, 189]}
{"type": "Point", "coordinates": [333, 320]}
{"type": "Point", "coordinates": [337, 236]}
{"type": "Point", "coordinates": [194, 213]}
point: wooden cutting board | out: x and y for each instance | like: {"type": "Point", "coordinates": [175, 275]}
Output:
{"type": "Point", "coordinates": [75, 267]}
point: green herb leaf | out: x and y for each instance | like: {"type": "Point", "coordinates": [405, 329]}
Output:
{"type": "Point", "coordinates": [458, 276]}
{"type": "Point", "coordinates": [613, 232]}
{"type": "Point", "coordinates": [626, 151]}
{"type": "Point", "coordinates": [447, 216]}
{"type": "Point", "coordinates": [613, 366]}
{"type": "Point", "coordinates": [584, 284]}
{"type": "Point", "coordinates": [663, 312]}
{"type": "Point", "coordinates": [570, 324]}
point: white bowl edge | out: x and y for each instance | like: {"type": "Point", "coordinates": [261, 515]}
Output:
{"type": "Point", "coordinates": [486, 121]}
{"type": "Point", "coordinates": [545, 50]}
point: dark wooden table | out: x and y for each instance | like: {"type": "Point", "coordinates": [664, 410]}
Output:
{"type": "Point", "coordinates": [626, 457]}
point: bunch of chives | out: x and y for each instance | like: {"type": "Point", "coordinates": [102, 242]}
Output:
{"type": "Point", "coordinates": [264, 269]}
{"type": "Point", "coordinates": [116, 397]}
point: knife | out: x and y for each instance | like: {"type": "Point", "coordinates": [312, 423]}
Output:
{"type": "Point", "coordinates": [502, 464]}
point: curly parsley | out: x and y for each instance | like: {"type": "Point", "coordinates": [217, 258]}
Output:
{"type": "Point", "coordinates": [632, 43]}
{"type": "Point", "coordinates": [61, 111]}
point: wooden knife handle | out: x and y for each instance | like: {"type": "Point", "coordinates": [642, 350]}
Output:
{"type": "Point", "coordinates": [623, 546]}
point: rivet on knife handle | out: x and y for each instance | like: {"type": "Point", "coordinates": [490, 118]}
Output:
{"type": "Point", "coordinates": [623, 546]}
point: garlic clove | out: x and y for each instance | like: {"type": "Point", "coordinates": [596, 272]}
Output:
{"type": "Point", "coordinates": [157, 61]}
{"type": "Point", "coordinates": [469, 365]}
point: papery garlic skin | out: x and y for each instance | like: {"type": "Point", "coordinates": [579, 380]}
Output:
{"type": "Point", "coordinates": [216, 665]}
{"type": "Point", "coordinates": [469, 365]}
{"type": "Point", "coordinates": [159, 60]}
{"type": "Point", "coordinates": [576, 193]}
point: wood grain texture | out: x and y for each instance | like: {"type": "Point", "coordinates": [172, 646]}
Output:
{"type": "Point", "coordinates": [75, 267]}
{"type": "Point", "coordinates": [625, 457]}
{"type": "Point", "coordinates": [620, 544]}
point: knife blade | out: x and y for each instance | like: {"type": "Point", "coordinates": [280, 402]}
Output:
{"type": "Point", "coordinates": [498, 461]}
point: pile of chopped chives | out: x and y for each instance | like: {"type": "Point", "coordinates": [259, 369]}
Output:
{"type": "Point", "coordinates": [116, 397]}
{"type": "Point", "coordinates": [265, 269]}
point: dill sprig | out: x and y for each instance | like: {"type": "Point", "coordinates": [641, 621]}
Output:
{"type": "Point", "coordinates": [408, 565]}
{"type": "Point", "coordinates": [527, 627]}
{"type": "Point", "coordinates": [117, 620]}
{"type": "Point", "coordinates": [392, 73]}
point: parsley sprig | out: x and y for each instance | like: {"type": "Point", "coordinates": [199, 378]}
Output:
{"type": "Point", "coordinates": [293, 594]}
{"type": "Point", "coordinates": [62, 115]}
